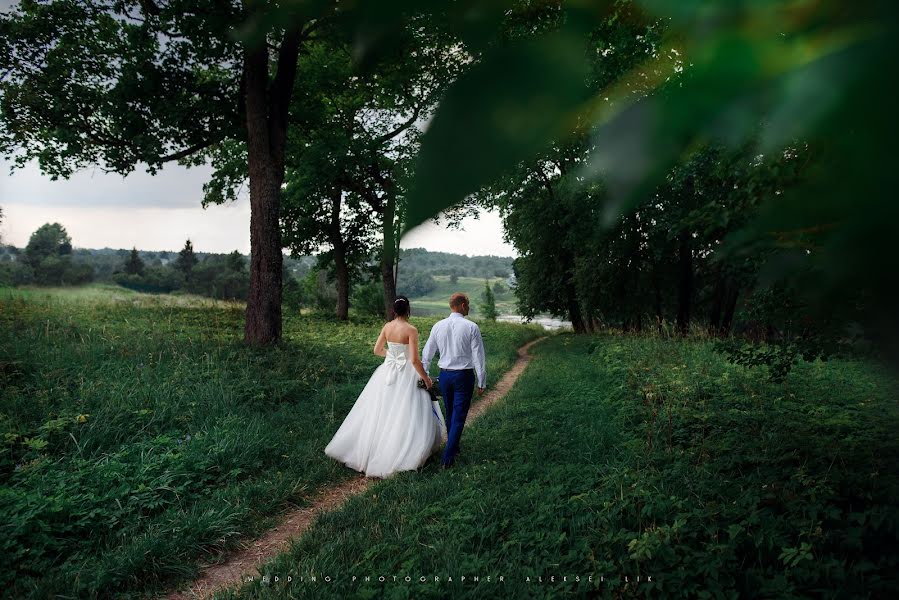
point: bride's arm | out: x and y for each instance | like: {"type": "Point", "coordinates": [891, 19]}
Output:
{"type": "Point", "coordinates": [379, 348]}
{"type": "Point", "coordinates": [416, 361]}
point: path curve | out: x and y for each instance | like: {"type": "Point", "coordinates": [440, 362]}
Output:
{"type": "Point", "coordinates": [247, 561]}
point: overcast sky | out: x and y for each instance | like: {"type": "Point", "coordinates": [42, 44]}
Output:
{"type": "Point", "coordinates": [158, 213]}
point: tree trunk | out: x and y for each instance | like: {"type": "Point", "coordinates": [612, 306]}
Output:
{"type": "Point", "coordinates": [388, 256]}
{"type": "Point", "coordinates": [266, 113]}
{"type": "Point", "coordinates": [717, 304]}
{"type": "Point", "coordinates": [657, 288]}
{"type": "Point", "coordinates": [339, 245]}
{"type": "Point", "coordinates": [730, 306]}
{"type": "Point", "coordinates": [263, 319]}
{"type": "Point", "coordinates": [574, 310]}
{"type": "Point", "coordinates": [685, 287]}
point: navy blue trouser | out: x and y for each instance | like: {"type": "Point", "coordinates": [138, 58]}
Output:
{"type": "Point", "coordinates": [457, 388]}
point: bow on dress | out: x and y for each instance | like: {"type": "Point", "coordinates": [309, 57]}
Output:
{"type": "Point", "coordinates": [394, 363]}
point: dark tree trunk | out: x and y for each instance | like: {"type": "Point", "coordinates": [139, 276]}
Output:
{"type": "Point", "coordinates": [266, 113]}
{"type": "Point", "coordinates": [729, 307]}
{"type": "Point", "coordinates": [657, 288]}
{"type": "Point", "coordinates": [685, 287]}
{"type": "Point", "coordinates": [339, 245]}
{"type": "Point", "coordinates": [717, 304]}
{"type": "Point", "coordinates": [636, 264]}
{"type": "Point", "coordinates": [388, 256]}
{"type": "Point", "coordinates": [263, 318]}
{"type": "Point", "coordinates": [574, 310]}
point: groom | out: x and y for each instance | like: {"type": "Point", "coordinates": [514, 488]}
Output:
{"type": "Point", "coordinates": [461, 349]}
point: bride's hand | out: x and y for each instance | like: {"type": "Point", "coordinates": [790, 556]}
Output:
{"type": "Point", "coordinates": [428, 382]}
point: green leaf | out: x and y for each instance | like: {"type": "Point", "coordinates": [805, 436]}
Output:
{"type": "Point", "coordinates": [503, 110]}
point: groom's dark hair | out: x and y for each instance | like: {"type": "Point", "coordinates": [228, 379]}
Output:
{"type": "Point", "coordinates": [401, 306]}
{"type": "Point", "coordinates": [458, 299]}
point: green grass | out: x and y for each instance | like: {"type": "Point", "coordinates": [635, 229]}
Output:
{"type": "Point", "coordinates": [141, 437]}
{"type": "Point", "coordinates": [626, 456]}
{"type": "Point", "coordinates": [437, 302]}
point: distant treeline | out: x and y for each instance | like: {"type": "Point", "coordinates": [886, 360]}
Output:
{"type": "Point", "coordinates": [49, 259]}
{"type": "Point", "coordinates": [419, 260]}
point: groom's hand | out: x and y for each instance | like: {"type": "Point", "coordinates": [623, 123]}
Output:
{"type": "Point", "coordinates": [480, 391]}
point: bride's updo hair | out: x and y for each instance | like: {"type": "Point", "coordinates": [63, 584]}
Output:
{"type": "Point", "coordinates": [401, 306]}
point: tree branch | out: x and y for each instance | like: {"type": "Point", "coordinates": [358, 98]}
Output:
{"type": "Point", "coordinates": [282, 87]}
{"type": "Point", "coordinates": [403, 127]}
{"type": "Point", "coordinates": [149, 7]}
{"type": "Point", "coordinates": [189, 150]}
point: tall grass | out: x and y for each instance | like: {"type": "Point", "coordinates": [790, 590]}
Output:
{"type": "Point", "coordinates": [142, 438]}
{"type": "Point", "coordinates": [623, 457]}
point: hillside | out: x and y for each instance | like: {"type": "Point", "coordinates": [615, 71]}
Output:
{"type": "Point", "coordinates": [420, 260]}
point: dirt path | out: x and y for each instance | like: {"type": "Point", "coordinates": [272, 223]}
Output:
{"type": "Point", "coordinates": [255, 553]}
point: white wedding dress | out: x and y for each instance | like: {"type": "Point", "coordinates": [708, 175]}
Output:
{"type": "Point", "coordinates": [393, 426]}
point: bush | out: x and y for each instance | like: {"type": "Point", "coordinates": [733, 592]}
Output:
{"type": "Point", "coordinates": [13, 273]}
{"type": "Point", "coordinates": [319, 293]}
{"type": "Point", "coordinates": [488, 303]}
{"type": "Point", "coordinates": [291, 292]}
{"type": "Point", "coordinates": [416, 285]}
{"type": "Point", "coordinates": [368, 298]}
{"type": "Point", "coordinates": [77, 274]}
{"type": "Point", "coordinates": [155, 280]}
{"type": "Point", "coordinates": [215, 278]}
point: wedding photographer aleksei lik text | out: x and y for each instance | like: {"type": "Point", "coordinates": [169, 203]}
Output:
{"type": "Point", "coordinates": [289, 579]}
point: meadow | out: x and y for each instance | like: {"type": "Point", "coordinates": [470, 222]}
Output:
{"type": "Point", "coordinates": [142, 438]}
{"type": "Point", "coordinates": [437, 301]}
{"type": "Point", "coordinates": [640, 457]}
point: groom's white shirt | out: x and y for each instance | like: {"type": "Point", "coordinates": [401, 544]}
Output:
{"type": "Point", "coordinates": [459, 343]}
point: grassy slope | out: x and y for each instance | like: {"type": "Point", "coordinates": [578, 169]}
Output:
{"type": "Point", "coordinates": [749, 488]}
{"type": "Point", "coordinates": [186, 439]}
{"type": "Point", "coordinates": [437, 302]}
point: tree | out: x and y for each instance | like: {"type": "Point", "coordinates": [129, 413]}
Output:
{"type": "Point", "coordinates": [489, 302]}
{"type": "Point", "coordinates": [318, 211]}
{"type": "Point", "coordinates": [118, 84]}
{"type": "Point", "coordinates": [186, 261]}
{"type": "Point", "coordinates": [134, 265]}
{"type": "Point", "coordinates": [235, 262]}
{"type": "Point", "coordinates": [48, 253]}
{"type": "Point", "coordinates": [49, 240]}
{"type": "Point", "coordinates": [417, 284]}
{"type": "Point", "coordinates": [353, 149]}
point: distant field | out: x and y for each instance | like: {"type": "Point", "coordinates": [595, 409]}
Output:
{"type": "Point", "coordinates": [437, 302]}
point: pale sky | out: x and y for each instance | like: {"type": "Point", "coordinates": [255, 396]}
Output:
{"type": "Point", "coordinates": [158, 213]}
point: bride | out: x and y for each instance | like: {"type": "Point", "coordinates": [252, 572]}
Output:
{"type": "Point", "coordinates": [393, 426]}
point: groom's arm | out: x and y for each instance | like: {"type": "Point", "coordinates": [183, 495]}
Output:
{"type": "Point", "coordinates": [427, 354]}
{"type": "Point", "coordinates": [480, 362]}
